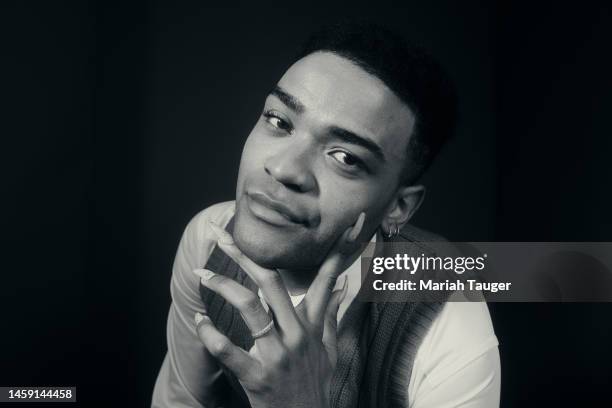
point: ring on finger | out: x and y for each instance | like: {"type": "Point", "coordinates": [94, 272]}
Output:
{"type": "Point", "coordinates": [260, 333]}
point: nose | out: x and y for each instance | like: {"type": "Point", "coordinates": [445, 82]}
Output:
{"type": "Point", "coordinates": [292, 167]}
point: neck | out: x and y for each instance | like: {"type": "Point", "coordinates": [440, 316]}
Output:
{"type": "Point", "coordinates": [297, 281]}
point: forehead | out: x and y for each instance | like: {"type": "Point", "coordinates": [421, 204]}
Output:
{"type": "Point", "coordinates": [337, 92]}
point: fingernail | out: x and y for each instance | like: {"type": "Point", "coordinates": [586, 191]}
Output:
{"type": "Point", "coordinates": [204, 274]}
{"type": "Point", "coordinates": [223, 236]}
{"type": "Point", "coordinates": [198, 317]}
{"type": "Point", "coordinates": [344, 289]}
{"type": "Point", "coordinates": [342, 281]}
{"type": "Point", "coordinates": [356, 230]}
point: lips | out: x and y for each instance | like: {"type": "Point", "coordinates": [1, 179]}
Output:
{"type": "Point", "coordinates": [277, 206]}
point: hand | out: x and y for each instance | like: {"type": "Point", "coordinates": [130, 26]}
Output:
{"type": "Point", "coordinates": [292, 364]}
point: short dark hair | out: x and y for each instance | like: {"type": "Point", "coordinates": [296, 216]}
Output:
{"type": "Point", "coordinates": [409, 71]}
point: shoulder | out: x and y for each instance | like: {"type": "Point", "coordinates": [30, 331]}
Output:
{"type": "Point", "coordinates": [462, 331]}
{"type": "Point", "coordinates": [198, 239]}
{"type": "Point", "coordinates": [461, 343]}
{"type": "Point", "coordinates": [218, 213]}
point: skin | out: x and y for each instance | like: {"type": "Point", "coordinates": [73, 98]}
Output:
{"type": "Point", "coordinates": [294, 157]}
{"type": "Point", "coordinates": [309, 190]}
{"type": "Point", "coordinates": [293, 363]}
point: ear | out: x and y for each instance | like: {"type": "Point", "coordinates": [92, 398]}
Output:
{"type": "Point", "coordinates": [403, 206]}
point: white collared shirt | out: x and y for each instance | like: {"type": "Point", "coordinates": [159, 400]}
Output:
{"type": "Point", "coordinates": [456, 365]}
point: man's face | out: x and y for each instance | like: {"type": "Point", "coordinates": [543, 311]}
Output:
{"type": "Point", "coordinates": [330, 143]}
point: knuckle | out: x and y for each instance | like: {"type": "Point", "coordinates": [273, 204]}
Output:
{"type": "Point", "coordinates": [330, 281]}
{"type": "Point", "coordinates": [257, 381]}
{"type": "Point", "coordinates": [317, 332]}
{"type": "Point", "coordinates": [249, 304]}
{"type": "Point", "coordinates": [272, 375]}
{"type": "Point", "coordinates": [281, 359]}
{"type": "Point", "coordinates": [253, 306]}
{"type": "Point", "coordinates": [298, 342]}
{"type": "Point", "coordinates": [238, 256]}
{"type": "Point", "coordinates": [260, 379]}
{"type": "Point", "coordinates": [263, 383]}
{"type": "Point", "coordinates": [220, 348]}
{"type": "Point", "coordinates": [332, 324]}
{"type": "Point", "coordinates": [271, 278]}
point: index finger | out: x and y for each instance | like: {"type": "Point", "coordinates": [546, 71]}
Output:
{"type": "Point", "coordinates": [320, 291]}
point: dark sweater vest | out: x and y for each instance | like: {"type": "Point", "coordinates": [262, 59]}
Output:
{"type": "Point", "coordinates": [377, 342]}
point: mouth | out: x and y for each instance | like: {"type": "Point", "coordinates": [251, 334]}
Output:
{"type": "Point", "coordinates": [273, 211]}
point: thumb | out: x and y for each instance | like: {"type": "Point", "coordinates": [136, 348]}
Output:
{"type": "Point", "coordinates": [330, 324]}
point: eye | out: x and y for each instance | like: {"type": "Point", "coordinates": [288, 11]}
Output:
{"type": "Point", "coordinates": [276, 120]}
{"type": "Point", "coordinates": [346, 159]}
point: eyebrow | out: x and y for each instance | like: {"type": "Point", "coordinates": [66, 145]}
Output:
{"type": "Point", "coordinates": [347, 136]}
{"type": "Point", "coordinates": [291, 101]}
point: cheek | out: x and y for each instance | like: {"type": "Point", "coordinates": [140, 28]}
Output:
{"type": "Point", "coordinates": [341, 204]}
{"type": "Point", "coordinates": [251, 159]}
{"type": "Point", "coordinates": [250, 151]}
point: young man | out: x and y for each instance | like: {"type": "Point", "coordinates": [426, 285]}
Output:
{"type": "Point", "coordinates": [259, 317]}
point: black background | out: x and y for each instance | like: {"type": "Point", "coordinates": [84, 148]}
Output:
{"type": "Point", "coordinates": [122, 120]}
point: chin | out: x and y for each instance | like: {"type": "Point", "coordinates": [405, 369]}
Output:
{"type": "Point", "coordinates": [272, 248]}
{"type": "Point", "coordinates": [263, 251]}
